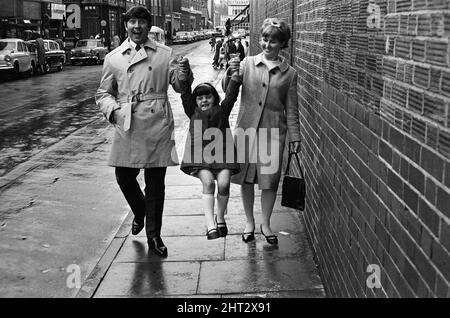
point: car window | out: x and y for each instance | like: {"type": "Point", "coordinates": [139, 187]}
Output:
{"type": "Point", "coordinates": [7, 46]}
{"type": "Point", "coordinates": [20, 47]}
{"type": "Point", "coordinates": [99, 44]}
{"type": "Point", "coordinates": [46, 46]}
{"type": "Point", "coordinates": [53, 46]}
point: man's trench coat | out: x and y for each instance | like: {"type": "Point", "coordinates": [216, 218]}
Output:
{"type": "Point", "coordinates": [135, 84]}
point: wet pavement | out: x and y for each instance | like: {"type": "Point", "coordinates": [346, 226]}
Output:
{"type": "Point", "coordinates": [61, 209]}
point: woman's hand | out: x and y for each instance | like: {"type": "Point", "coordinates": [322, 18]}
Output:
{"type": "Point", "coordinates": [295, 147]}
{"type": "Point", "coordinates": [235, 64]}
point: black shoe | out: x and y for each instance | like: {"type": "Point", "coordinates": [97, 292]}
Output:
{"type": "Point", "coordinates": [212, 234]}
{"type": "Point", "coordinates": [248, 236]}
{"type": "Point", "coordinates": [137, 227]}
{"type": "Point", "coordinates": [271, 239]}
{"type": "Point", "coordinates": [222, 228]}
{"type": "Point", "coordinates": [158, 246]}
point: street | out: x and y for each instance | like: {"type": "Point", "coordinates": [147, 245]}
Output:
{"type": "Point", "coordinates": [54, 146]}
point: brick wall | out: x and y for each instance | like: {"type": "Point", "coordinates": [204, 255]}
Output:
{"type": "Point", "coordinates": [375, 92]}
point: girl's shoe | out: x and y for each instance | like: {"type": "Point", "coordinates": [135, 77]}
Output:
{"type": "Point", "coordinates": [271, 239]}
{"type": "Point", "coordinates": [248, 236]}
{"type": "Point", "coordinates": [212, 234]}
{"type": "Point", "coordinates": [222, 228]}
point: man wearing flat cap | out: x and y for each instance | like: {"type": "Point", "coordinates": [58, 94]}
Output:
{"type": "Point", "coordinates": [133, 97]}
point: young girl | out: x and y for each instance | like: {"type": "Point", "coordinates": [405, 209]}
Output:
{"type": "Point", "coordinates": [205, 157]}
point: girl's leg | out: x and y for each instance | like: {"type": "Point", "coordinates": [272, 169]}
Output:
{"type": "Point", "coordinates": [268, 198]}
{"type": "Point", "coordinates": [209, 187]}
{"type": "Point", "coordinates": [223, 194]}
{"type": "Point", "coordinates": [248, 199]}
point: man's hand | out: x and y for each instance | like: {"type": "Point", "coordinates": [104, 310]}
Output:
{"type": "Point", "coordinates": [115, 116]}
{"type": "Point", "coordinates": [183, 65]}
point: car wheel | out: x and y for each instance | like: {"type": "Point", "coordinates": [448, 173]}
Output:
{"type": "Point", "coordinates": [60, 66]}
{"type": "Point", "coordinates": [16, 72]}
{"type": "Point", "coordinates": [46, 68]}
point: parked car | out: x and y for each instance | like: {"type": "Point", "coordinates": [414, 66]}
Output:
{"type": "Point", "coordinates": [88, 51]}
{"type": "Point", "coordinates": [180, 38]}
{"type": "Point", "coordinates": [15, 57]}
{"type": "Point", "coordinates": [55, 57]}
{"type": "Point", "coordinates": [157, 35]}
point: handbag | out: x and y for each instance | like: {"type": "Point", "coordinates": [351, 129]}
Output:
{"type": "Point", "coordinates": [294, 188]}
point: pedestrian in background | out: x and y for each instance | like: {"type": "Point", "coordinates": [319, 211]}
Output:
{"type": "Point", "coordinates": [269, 101]}
{"type": "Point", "coordinates": [40, 48]}
{"type": "Point", "coordinates": [138, 107]}
{"type": "Point", "coordinates": [205, 111]}
{"type": "Point", "coordinates": [212, 42]}
{"type": "Point", "coordinates": [240, 49]}
{"type": "Point", "coordinates": [217, 53]}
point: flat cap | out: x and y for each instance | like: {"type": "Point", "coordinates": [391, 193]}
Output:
{"type": "Point", "coordinates": [137, 13]}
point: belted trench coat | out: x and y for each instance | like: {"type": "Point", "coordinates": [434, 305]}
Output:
{"type": "Point", "coordinates": [269, 107]}
{"type": "Point", "coordinates": [135, 85]}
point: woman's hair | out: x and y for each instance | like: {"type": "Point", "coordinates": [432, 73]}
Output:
{"type": "Point", "coordinates": [276, 29]}
{"type": "Point", "coordinates": [206, 89]}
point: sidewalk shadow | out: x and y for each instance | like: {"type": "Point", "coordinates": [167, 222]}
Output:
{"type": "Point", "coordinates": [148, 277]}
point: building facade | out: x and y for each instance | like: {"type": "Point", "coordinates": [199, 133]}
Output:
{"type": "Point", "coordinates": [239, 7]}
{"type": "Point", "coordinates": [18, 18]}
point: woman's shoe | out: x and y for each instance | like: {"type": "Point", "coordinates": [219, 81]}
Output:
{"type": "Point", "coordinates": [212, 234]}
{"type": "Point", "coordinates": [222, 228]}
{"type": "Point", "coordinates": [271, 239]}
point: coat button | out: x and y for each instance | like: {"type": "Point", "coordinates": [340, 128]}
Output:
{"type": "Point", "coordinates": [150, 68]}
{"type": "Point", "coordinates": [153, 111]}
{"type": "Point", "coordinates": [260, 103]}
{"type": "Point", "coordinates": [152, 90]}
{"type": "Point", "coordinates": [264, 84]}
{"type": "Point", "coordinates": [130, 70]}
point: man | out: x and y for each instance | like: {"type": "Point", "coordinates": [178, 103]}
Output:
{"type": "Point", "coordinates": [240, 49]}
{"type": "Point", "coordinates": [133, 96]}
{"type": "Point", "coordinates": [60, 42]}
{"type": "Point", "coordinates": [217, 53]}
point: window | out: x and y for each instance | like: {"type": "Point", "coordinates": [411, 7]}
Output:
{"type": "Point", "coordinates": [19, 47]}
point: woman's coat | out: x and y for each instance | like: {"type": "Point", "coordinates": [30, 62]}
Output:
{"type": "Point", "coordinates": [269, 107]}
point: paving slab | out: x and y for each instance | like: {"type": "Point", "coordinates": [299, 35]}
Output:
{"type": "Point", "coordinates": [160, 279]}
{"type": "Point", "coordinates": [182, 248]}
{"type": "Point", "coordinates": [251, 275]}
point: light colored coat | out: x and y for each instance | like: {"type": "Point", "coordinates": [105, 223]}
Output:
{"type": "Point", "coordinates": [135, 85]}
{"type": "Point", "coordinates": [268, 100]}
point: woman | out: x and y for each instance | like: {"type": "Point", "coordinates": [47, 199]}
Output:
{"type": "Point", "coordinates": [268, 104]}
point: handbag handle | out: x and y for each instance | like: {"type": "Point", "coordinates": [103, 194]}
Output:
{"type": "Point", "coordinates": [289, 164]}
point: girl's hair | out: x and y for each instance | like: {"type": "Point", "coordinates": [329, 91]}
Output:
{"type": "Point", "coordinates": [206, 89]}
{"type": "Point", "coordinates": [276, 29]}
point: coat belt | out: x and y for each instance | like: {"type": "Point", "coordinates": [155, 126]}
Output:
{"type": "Point", "coordinates": [127, 109]}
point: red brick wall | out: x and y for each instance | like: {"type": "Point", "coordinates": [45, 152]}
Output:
{"type": "Point", "coordinates": [375, 94]}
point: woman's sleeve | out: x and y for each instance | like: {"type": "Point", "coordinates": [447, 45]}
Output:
{"type": "Point", "coordinates": [292, 111]}
{"type": "Point", "coordinates": [231, 94]}
{"type": "Point", "coordinates": [226, 79]}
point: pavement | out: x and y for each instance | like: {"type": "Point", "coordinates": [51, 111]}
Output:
{"type": "Point", "coordinates": [68, 191]}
